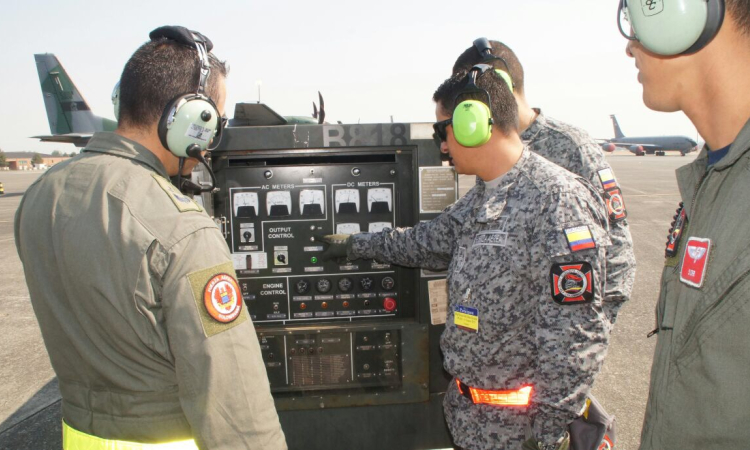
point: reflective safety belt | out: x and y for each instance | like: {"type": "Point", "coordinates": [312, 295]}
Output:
{"type": "Point", "coordinates": [517, 397]}
{"type": "Point", "coordinates": [77, 440]}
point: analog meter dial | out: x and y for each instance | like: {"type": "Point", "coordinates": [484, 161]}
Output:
{"type": "Point", "coordinates": [279, 203]}
{"type": "Point", "coordinates": [347, 228]}
{"type": "Point", "coordinates": [379, 200]}
{"type": "Point", "coordinates": [376, 227]}
{"type": "Point", "coordinates": [311, 202]}
{"type": "Point", "coordinates": [347, 201]}
{"type": "Point", "coordinates": [246, 204]}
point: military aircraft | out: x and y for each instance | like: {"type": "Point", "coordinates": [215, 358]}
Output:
{"type": "Point", "coordinates": [71, 120]}
{"type": "Point", "coordinates": [652, 145]}
{"type": "Point", "coordinates": [70, 117]}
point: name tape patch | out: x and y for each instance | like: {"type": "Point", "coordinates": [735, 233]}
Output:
{"type": "Point", "coordinates": [491, 237]}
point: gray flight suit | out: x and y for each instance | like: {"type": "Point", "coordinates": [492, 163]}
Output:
{"type": "Point", "coordinates": [538, 303]}
{"type": "Point", "coordinates": [126, 276]}
{"type": "Point", "coordinates": [699, 397]}
{"type": "Point", "coordinates": [573, 149]}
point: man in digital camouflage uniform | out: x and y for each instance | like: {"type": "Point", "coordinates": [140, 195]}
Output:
{"type": "Point", "coordinates": [525, 252]}
{"type": "Point", "coordinates": [134, 288]}
{"type": "Point", "coordinates": [573, 149]}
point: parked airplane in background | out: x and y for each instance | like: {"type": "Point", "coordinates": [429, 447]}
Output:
{"type": "Point", "coordinates": [70, 117]}
{"type": "Point", "coordinates": [652, 145]}
{"type": "Point", "coordinates": [71, 120]}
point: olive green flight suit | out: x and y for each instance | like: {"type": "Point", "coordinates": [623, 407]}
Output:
{"type": "Point", "coordinates": [121, 270]}
{"type": "Point", "coordinates": [699, 396]}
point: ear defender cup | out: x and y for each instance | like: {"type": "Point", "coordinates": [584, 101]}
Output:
{"type": "Point", "coordinates": [675, 27]}
{"type": "Point", "coordinates": [472, 123]}
{"type": "Point", "coordinates": [188, 121]}
{"type": "Point", "coordinates": [116, 100]}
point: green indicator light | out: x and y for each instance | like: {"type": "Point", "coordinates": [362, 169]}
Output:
{"type": "Point", "coordinates": [314, 260]}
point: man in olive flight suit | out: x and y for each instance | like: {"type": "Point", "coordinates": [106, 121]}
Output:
{"type": "Point", "coordinates": [694, 57]}
{"type": "Point", "coordinates": [526, 331]}
{"type": "Point", "coordinates": [132, 282]}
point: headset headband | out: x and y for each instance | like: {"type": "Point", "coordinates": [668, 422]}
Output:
{"type": "Point", "coordinates": [190, 38]}
{"type": "Point", "coordinates": [483, 47]}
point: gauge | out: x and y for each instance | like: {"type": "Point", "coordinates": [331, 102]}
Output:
{"type": "Point", "coordinates": [379, 200]}
{"type": "Point", "coordinates": [311, 202]}
{"type": "Point", "coordinates": [388, 283]}
{"type": "Point", "coordinates": [376, 227]}
{"type": "Point", "coordinates": [366, 283]}
{"type": "Point", "coordinates": [246, 204]}
{"type": "Point", "coordinates": [345, 284]}
{"type": "Point", "coordinates": [323, 285]}
{"type": "Point", "coordinates": [279, 203]}
{"type": "Point", "coordinates": [347, 228]}
{"type": "Point", "coordinates": [347, 201]}
{"type": "Point", "coordinates": [302, 286]}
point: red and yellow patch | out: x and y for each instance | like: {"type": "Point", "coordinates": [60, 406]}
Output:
{"type": "Point", "coordinates": [222, 298]}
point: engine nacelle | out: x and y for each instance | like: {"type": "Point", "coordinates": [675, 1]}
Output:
{"type": "Point", "coordinates": [609, 148]}
{"type": "Point", "coordinates": [637, 149]}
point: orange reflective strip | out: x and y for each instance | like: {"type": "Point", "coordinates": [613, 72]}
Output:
{"type": "Point", "coordinates": [458, 383]}
{"type": "Point", "coordinates": [519, 397]}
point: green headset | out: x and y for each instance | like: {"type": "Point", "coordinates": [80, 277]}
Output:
{"type": "Point", "coordinates": [672, 27]}
{"type": "Point", "coordinates": [472, 119]}
{"type": "Point", "coordinates": [190, 121]}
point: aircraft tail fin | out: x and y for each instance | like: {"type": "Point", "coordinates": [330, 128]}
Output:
{"type": "Point", "coordinates": [616, 126]}
{"type": "Point", "coordinates": [67, 111]}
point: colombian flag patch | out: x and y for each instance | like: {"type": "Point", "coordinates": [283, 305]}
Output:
{"type": "Point", "coordinates": [579, 238]}
{"type": "Point", "coordinates": [607, 178]}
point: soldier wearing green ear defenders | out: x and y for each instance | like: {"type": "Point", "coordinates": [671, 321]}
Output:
{"type": "Point", "coordinates": [525, 251]}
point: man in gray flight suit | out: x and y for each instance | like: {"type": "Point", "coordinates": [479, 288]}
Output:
{"type": "Point", "coordinates": [695, 57]}
{"type": "Point", "coordinates": [131, 281]}
{"type": "Point", "coordinates": [525, 251]}
{"type": "Point", "coordinates": [573, 149]}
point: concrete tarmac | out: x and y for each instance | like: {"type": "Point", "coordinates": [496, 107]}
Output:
{"type": "Point", "coordinates": [29, 398]}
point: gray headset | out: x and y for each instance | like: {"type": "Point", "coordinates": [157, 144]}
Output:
{"type": "Point", "coordinates": [191, 121]}
{"type": "Point", "coordinates": [672, 27]}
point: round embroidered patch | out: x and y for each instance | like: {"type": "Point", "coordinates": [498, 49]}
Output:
{"type": "Point", "coordinates": [222, 298]}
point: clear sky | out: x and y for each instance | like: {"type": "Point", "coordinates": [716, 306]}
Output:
{"type": "Point", "coordinates": [371, 60]}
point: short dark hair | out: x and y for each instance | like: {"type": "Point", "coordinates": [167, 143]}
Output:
{"type": "Point", "coordinates": [470, 57]}
{"type": "Point", "coordinates": [157, 73]}
{"type": "Point", "coordinates": [740, 12]}
{"type": "Point", "coordinates": [502, 103]}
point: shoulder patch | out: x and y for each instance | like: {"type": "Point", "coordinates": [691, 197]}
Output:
{"type": "Point", "coordinates": [579, 238]}
{"type": "Point", "coordinates": [615, 204]}
{"type": "Point", "coordinates": [218, 298]}
{"type": "Point", "coordinates": [572, 283]}
{"type": "Point", "coordinates": [607, 178]}
{"type": "Point", "coordinates": [180, 200]}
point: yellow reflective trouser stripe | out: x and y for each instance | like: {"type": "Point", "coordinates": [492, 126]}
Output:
{"type": "Point", "coordinates": [77, 440]}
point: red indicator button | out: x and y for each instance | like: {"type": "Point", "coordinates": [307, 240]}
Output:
{"type": "Point", "coordinates": [389, 303]}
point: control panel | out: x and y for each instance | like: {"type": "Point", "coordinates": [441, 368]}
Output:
{"type": "Point", "coordinates": [278, 212]}
{"type": "Point", "coordinates": [351, 348]}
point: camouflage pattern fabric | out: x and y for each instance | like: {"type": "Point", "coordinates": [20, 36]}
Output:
{"type": "Point", "coordinates": [501, 248]}
{"type": "Point", "coordinates": [573, 149]}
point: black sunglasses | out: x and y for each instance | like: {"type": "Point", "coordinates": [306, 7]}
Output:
{"type": "Point", "coordinates": [441, 129]}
